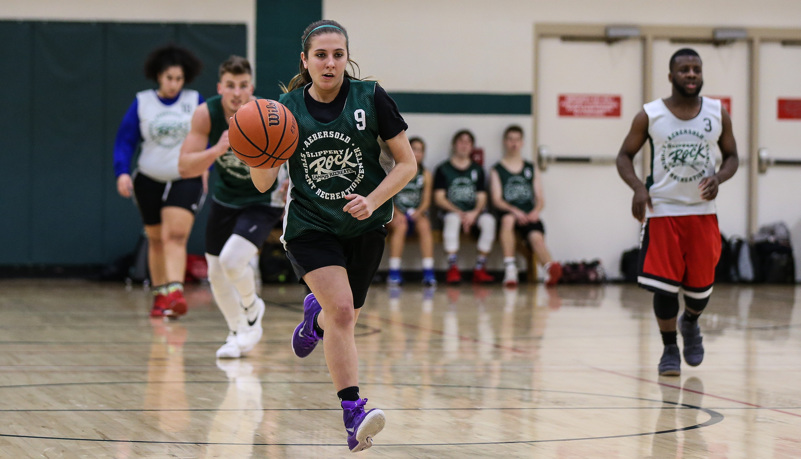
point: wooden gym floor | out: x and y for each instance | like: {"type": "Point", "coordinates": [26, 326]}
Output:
{"type": "Point", "coordinates": [460, 372]}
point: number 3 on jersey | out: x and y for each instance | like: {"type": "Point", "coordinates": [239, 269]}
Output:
{"type": "Point", "coordinates": [361, 119]}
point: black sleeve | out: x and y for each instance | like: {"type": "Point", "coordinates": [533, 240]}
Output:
{"type": "Point", "coordinates": [481, 183]}
{"type": "Point", "coordinates": [440, 182]}
{"type": "Point", "coordinates": [390, 121]}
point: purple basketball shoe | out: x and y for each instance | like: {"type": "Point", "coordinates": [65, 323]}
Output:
{"type": "Point", "coordinates": [304, 338]}
{"type": "Point", "coordinates": [361, 426]}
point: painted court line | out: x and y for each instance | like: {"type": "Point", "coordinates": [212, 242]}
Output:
{"type": "Point", "coordinates": [705, 394]}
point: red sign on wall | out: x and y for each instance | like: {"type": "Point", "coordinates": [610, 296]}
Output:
{"type": "Point", "coordinates": [725, 101]}
{"type": "Point", "coordinates": [789, 109]}
{"type": "Point", "coordinates": [589, 105]}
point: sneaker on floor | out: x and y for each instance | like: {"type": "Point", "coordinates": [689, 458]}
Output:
{"type": "Point", "coordinates": [394, 277]}
{"type": "Point", "coordinates": [453, 276]}
{"type": "Point", "coordinates": [670, 363]}
{"type": "Point", "coordinates": [159, 305]}
{"type": "Point", "coordinates": [429, 279]}
{"type": "Point", "coordinates": [249, 330]}
{"type": "Point", "coordinates": [304, 338]}
{"type": "Point", "coordinates": [553, 272]}
{"type": "Point", "coordinates": [693, 341]}
{"type": "Point", "coordinates": [481, 276]}
{"type": "Point", "coordinates": [229, 350]}
{"type": "Point", "coordinates": [510, 277]}
{"type": "Point", "coordinates": [176, 304]}
{"type": "Point", "coordinates": [361, 426]}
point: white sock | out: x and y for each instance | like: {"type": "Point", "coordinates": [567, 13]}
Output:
{"type": "Point", "coordinates": [394, 263]}
{"type": "Point", "coordinates": [428, 263]}
{"type": "Point", "coordinates": [509, 261]}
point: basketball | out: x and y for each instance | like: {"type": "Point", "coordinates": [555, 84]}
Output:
{"type": "Point", "coordinates": [263, 133]}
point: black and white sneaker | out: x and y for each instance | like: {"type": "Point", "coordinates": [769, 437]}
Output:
{"type": "Point", "coordinates": [249, 331]}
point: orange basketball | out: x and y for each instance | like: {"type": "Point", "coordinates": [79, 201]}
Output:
{"type": "Point", "coordinates": [263, 133]}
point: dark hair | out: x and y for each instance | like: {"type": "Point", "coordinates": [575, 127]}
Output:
{"type": "Point", "coordinates": [417, 139]}
{"type": "Point", "coordinates": [318, 28]}
{"type": "Point", "coordinates": [682, 52]}
{"type": "Point", "coordinates": [513, 128]}
{"type": "Point", "coordinates": [462, 132]}
{"type": "Point", "coordinates": [170, 55]}
{"type": "Point", "coordinates": [236, 65]}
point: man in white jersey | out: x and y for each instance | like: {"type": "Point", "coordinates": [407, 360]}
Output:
{"type": "Point", "coordinates": [680, 242]}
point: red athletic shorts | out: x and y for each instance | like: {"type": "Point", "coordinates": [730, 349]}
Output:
{"type": "Point", "coordinates": [680, 252]}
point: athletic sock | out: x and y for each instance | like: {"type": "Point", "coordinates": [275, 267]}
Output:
{"type": "Point", "coordinates": [428, 263]}
{"type": "Point", "coordinates": [395, 263]}
{"type": "Point", "coordinates": [691, 317]}
{"type": "Point", "coordinates": [317, 328]}
{"type": "Point", "coordinates": [452, 259]}
{"type": "Point", "coordinates": [350, 394]}
{"type": "Point", "coordinates": [669, 337]}
{"type": "Point", "coordinates": [481, 260]}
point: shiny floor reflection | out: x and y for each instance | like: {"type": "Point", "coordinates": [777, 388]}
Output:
{"type": "Point", "coordinates": [464, 371]}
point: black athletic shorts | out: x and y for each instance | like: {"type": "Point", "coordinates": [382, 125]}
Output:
{"type": "Point", "coordinates": [523, 230]}
{"type": "Point", "coordinates": [151, 196]}
{"type": "Point", "coordinates": [359, 255]}
{"type": "Point", "coordinates": [253, 223]}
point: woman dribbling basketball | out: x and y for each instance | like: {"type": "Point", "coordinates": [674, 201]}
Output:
{"type": "Point", "coordinates": [338, 205]}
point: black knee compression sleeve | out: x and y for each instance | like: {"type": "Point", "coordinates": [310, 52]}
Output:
{"type": "Point", "coordinates": [666, 306]}
{"type": "Point", "coordinates": [695, 304]}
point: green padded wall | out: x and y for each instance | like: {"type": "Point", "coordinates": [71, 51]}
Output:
{"type": "Point", "coordinates": [70, 86]}
{"type": "Point", "coordinates": [16, 39]}
{"type": "Point", "coordinates": [67, 143]}
{"type": "Point", "coordinates": [279, 25]}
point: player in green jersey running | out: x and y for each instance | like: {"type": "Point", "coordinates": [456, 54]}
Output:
{"type": "Point", "coordinates": [338, 202]}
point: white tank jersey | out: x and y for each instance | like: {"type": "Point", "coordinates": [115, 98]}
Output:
{"type": "Point", "coordinates": [684, 152]}
{"type": "Point", "coordinates": [163, 129]}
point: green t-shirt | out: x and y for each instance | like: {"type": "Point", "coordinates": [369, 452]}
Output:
{"type": "Point", "coordinates": [233, 187]}
{"type": "Point", "coordinates": [460, 186]}
{"type": "Point", "coordinates": [516, 188]}
{"type": "Point", "coordinates": [333, 160]}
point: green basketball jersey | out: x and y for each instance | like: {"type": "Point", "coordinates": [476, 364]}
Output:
{"type": "Point", "coordinates": [517, 188]}
{"type": "Point", "coordinates": [411, 195]}
{"type": "Point", "coordinates": [462, 184]}
{"type": "Point", "coordinates": [233, 186]}
{"type": "Point", "coordinates": [334, 160]}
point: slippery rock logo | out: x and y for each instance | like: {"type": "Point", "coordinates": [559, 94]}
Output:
{"type": "Point", "coordinates": [517, 189]}
{"type": "Point", "coordinates": [686, 155]}
{"type": "Point", "coordinates": [169, 129]}
{"type": "Point", "coordinates": [409, 196]}
{"type": "Point", "coordinates": [462, 190]}
{"type": "Point", "coordinates": [233, 165]}
{"type": "Point", "coordinates": [332, 173]}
